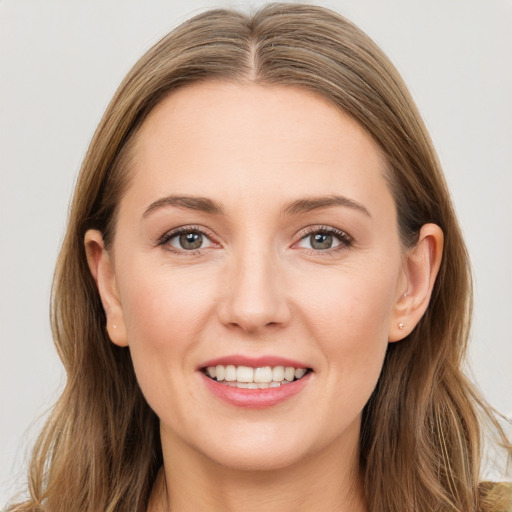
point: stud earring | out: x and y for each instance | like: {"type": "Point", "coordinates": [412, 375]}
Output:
{"type": "Point", "coordinates": [114, 326]}
{"type": "Point", "coordinates": [401, 326]}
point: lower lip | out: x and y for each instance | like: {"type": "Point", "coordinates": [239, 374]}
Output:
{"type": "Point", "coordinates": [255, 398]}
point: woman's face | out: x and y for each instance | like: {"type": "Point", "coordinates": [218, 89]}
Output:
{"type": "Point", "coordinates": [258, 231]}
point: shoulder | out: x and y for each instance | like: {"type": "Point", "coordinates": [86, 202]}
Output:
{"type": "Point", "coordinates": [495, 496]}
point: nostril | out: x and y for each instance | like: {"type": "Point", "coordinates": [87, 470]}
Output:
{"type": "Point", "coordinates": [253, 295]}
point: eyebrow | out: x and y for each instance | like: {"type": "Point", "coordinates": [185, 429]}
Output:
{"type": "Point", "coordinates": [308, 204]}
{"type": "Point", "coordinates": [201, 204]}
{"type": "Point", "coordinates": [206, 205]}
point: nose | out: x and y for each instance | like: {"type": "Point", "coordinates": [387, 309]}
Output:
{"type": "Point", "coordinates": [254, 295]}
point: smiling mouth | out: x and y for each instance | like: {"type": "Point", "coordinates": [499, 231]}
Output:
{"type": "Point", "coordinates": [246, 377]}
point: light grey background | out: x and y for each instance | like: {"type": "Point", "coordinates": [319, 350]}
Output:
{"type": "Point", "coordinates": [61, 61]}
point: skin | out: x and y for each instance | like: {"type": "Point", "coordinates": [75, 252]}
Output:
{"type": "Point", "coordinates": [258, 287]}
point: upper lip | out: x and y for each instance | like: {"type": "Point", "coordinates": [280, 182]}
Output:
{"type": "Point", "coordinates": [253, 362]}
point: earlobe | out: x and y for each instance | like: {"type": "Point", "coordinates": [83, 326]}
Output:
{"type": "Point", "coordinates": [421, 266]}
{"type": "Point", "coordinates": [102, 270]}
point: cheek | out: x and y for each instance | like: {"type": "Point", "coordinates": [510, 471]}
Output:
{"type": "Point", "coordinates": [161, 305]}
{"type": "Point", "coordinates": [349, 317]}
{"type": "Point", "coordinates": [165, 312]}
{"type": "Point", "coordinates": [350, 307]}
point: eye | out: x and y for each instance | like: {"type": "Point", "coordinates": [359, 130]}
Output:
{"type": "Point", "coordinates": [325, 239]}
{"type": "Point", "coordinates": [186, 240]}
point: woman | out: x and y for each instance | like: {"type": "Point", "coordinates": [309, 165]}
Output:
{"type": "Point", "coordinates": [263, 297]}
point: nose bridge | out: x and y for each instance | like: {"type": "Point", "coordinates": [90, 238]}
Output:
{"type": "Point", "coordinates": [255, 297]}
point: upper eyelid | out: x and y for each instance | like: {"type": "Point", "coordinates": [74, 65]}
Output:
{"type": "Point", "coordinates": [316, 228]}
{"type": "Point", "coordinates": [171, 233]}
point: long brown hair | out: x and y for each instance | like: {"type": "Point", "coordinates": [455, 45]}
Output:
{"type": "Point", "coordinates": [420, 445]}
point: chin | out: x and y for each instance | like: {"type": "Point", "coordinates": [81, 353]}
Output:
{"type": "Point", "coordinates": [259, 458]}
{"type": "Point", "coordinates": [274, 448]}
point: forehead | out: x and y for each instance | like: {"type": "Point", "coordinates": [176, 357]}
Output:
{"type": "Point", "coordinates": [220, 139]}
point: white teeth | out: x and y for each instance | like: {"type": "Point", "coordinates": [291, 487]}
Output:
{"type": "Point", "coordinates": [245, 374]}
{"type": "Point", "coordinates": [220, 372]}
{"type": "Point", "coordinates": [300, 372]}
{"type": "Point", "coordinates": [252, 385]}
{"type": "Point", "coordinates": [245, 377]}
{"type": "Point", "coordinates": [230, 374]}
{"type": "Point", "coordinates": [278, 373]}
{"type": "Point", "coordinates": [289, 373]}
{"type": "Point", "coordinates": [263, 374]}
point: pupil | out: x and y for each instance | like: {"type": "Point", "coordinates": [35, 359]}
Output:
{"type": "Point", "coordinates": [191, 240]}
{"type": "Point", "coordinates": [321, 241]}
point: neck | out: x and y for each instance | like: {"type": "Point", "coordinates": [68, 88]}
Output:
{"type": "Point", "coordinates": [327, 481]}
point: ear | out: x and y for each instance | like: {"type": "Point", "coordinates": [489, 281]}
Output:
{"type": "Point", "coordinates": [421, 265]}
{"type": "Point", "coordinates": [102, 270]}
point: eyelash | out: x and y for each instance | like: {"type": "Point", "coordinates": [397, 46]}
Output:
{"type": "Point", "coordinates": [345, 240]}
{"type": "Point", "coordinates": [167, 237]}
